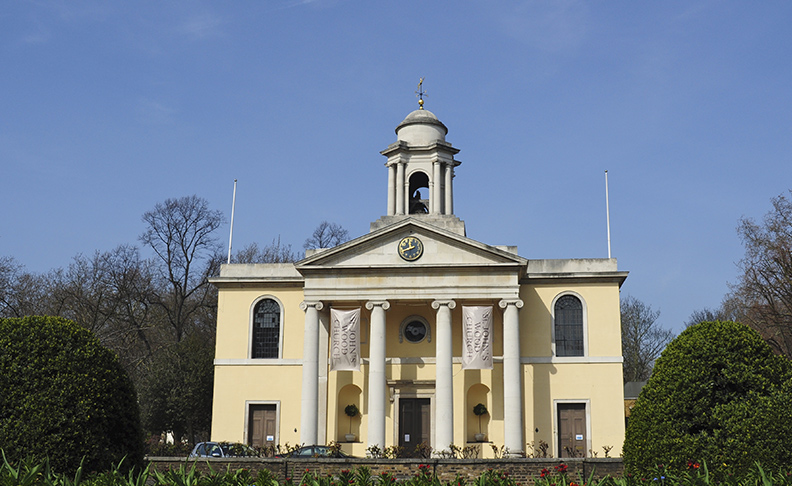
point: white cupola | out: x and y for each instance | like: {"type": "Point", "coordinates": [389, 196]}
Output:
{"type": "Point", "coordinates": [421, 173]}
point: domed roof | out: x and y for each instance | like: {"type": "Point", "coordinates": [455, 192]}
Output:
{"type": "Point", "coordinates": [421, 126]}
{"type": "Point", "coordinates": [423, 117]}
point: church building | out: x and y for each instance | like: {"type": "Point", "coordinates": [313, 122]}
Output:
{"type": "Point", "coordinates": [433, 337]}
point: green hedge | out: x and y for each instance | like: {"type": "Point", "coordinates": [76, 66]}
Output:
{"type": "Point", "coordinates": [65, 397]}
{"type": "Point", "coordinates": [717, 395]}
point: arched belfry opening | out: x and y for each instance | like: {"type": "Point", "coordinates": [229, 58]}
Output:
{"type": "Point", "coordinates": [419, 201]}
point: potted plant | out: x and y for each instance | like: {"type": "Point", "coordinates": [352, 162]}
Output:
{"type": "Point", "coordinates": [479, 410]}
{"type": "Point", "coordinates": [351, 410]}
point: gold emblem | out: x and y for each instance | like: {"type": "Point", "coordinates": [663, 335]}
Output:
{"type": "Point", "coordinates": [410, 248]}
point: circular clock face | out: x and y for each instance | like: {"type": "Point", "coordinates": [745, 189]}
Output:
{"type": "Point", "coordinates": [410, 248]}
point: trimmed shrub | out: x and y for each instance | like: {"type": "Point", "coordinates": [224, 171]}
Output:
{"type": "Point", "coordinates": [717, 395]}
{"type": "Point", "coordinates": [64, 396]}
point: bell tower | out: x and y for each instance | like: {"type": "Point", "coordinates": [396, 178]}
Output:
{"type": "Point", "coordinates": [421, 173]}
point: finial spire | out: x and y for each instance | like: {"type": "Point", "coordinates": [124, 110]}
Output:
{"type": "Point", "coordinates": [420, 93]}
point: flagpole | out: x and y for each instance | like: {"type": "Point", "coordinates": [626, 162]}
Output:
{"type": "Point", "coordinates": [607, 212]}
{"type": "Point", "coordinates": [231, 234]}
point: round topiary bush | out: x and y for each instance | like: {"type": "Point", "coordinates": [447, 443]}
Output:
{"type": "Point", "coordinates": [64, 396]}
{"type": "Point", "coordinates": [717, 395]}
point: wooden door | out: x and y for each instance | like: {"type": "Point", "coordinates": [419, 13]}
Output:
{"type": "Point", "coordinates": [414, 423]}
{"type": "Point", "coordinates": [262, 425]}
{"type": "Point", "coordinates": [572, 430]}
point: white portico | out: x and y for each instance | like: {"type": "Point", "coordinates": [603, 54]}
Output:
{"type": "Point", "coordinates": [452, 271]}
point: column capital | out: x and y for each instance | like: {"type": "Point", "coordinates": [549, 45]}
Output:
{"type": "Point", "coordinates": [378, 303]}
{"type": "Point", "coordinates": [437, 303]}
{"type": "Point", "coordinates": [318, 305]}
{"type": "Point", "coordinates": [507, 302]}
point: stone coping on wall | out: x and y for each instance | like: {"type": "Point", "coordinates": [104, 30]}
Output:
{"type": "Point", "coordinates": [523, 470]}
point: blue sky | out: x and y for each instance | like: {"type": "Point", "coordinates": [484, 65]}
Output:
{"type": "Point", "coordinates": [110, 107]}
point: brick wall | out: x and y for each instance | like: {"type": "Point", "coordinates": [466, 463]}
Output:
{"type": "Point", "coordinates": [523, 470]}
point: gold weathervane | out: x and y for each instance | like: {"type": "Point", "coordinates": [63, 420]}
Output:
{"type": "Point", "coordinates": [420, 93]}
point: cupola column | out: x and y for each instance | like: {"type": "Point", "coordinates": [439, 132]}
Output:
{"type": "Point", "coordinates": [435, 189]}
{"type": "Point", "coordinates": [400, 199]}
{"type": "Point", "coordinates": [391, 189]}
{"type": "Point", "coordinates": [444, 390]}
{"type": "Point", "coordinates": [512, 378]}
{"type": "Point", "coordinates": [377, 387]}
{"type": "Point", "coordinates": [449, 189]}
{"type": "Point", "coordinates": [309, 405]}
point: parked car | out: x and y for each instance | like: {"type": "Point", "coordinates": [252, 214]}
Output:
{"type": "Point", "coordinates": [316, 451]}
{"type": "Point", "coordinates": [222, 449]}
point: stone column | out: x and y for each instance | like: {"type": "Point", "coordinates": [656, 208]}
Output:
{"type": "Point", "coordinates": [309, 410]}
{"type": "Point", "coordinates": [449, 189]}
{"type": "Point", "coordinates": [391, 190]}
{"type": "Point", "coordinates": [435, 202]}
{"type": "Point", "coordinates": [377, 387]}
{"type": "Point", "coordinates": [444, 390]}
{"type": "Point", "coordinates": [400, 199]}
{"type": "Point", "coordinates": [512, 378]}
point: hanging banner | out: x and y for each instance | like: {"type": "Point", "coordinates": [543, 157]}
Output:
{"type": "Point", "coordinates": [345, 339]}
{"type": "Point", "coordinates": [477, 337]}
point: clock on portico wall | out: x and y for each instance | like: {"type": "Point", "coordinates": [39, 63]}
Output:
{"type": "Point", "coordinates": [410, 248]}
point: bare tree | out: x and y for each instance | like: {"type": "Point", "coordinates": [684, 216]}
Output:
{"type": "Point", "coordinates": [642, 339]}
{"type": "Point", "coordinates": [326, 235]}
{"type": "Point", "coordinates": [763, 294]}
{"type": "Point", "coordinates": [10, 269]}
{"type": "Point", "coordinates": [136, 330]}
{"type": "Point", "coordinates": [276, 252]}
{"type": "Point", "coordinates": [143, 309]}
{"type": "Point", "coordinates": [722, 313]}
{"type": "Point", "coordinates": [23, 293]}
{"type": "Point", "coordinates": [181, 234]}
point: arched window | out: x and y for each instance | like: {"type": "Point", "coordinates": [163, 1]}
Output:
{"type": "Point", "coordinates": [568, 326]}
{"type": "Point", "coordinates": [266, 329]}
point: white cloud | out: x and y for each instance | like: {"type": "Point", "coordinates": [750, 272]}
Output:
{"type": "Point", "coordinates": [201, 26]}
{"type": "Point", "coordinates": [153, 112]}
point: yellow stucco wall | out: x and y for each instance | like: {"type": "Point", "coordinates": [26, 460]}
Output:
{"type": "Point", "coordinates": [595, 379]}
{"type": "Point", "coordinates": [234, 313]}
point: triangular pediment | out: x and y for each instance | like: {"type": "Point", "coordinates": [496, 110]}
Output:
{"type": "Point", "coordinates": [441, 248]}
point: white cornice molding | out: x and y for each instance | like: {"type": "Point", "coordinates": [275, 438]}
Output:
{"type": "Point", "coordinates": [420, 360]}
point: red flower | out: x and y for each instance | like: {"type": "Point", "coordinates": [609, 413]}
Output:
{"type": "Point", "coordinates": [561, 468]}
{"type": "Point", "coordinates": [545, 473]}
